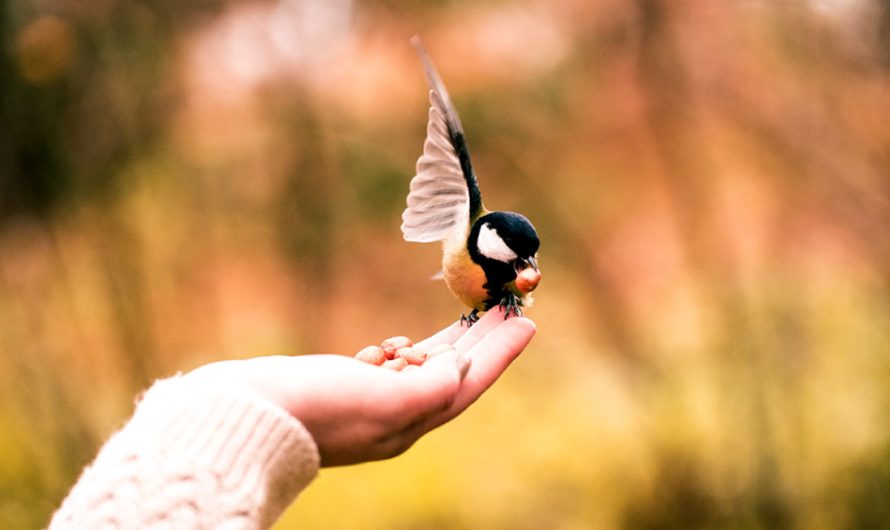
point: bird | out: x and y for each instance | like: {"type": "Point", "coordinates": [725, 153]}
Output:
{"type": "Point", "coordinates": [489, 258]}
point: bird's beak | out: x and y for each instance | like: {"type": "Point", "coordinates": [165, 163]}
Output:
{"type": "Point", "coordinates": [526, 263]}
{"type": "Point", "coordinates": [527, 275]}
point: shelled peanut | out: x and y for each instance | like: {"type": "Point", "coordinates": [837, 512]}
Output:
{"type": "Point", "coordinates": [397, 353]}
{"type": "Point", "coordinates": [372, 355]}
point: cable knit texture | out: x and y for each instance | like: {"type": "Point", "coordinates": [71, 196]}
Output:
{"type": "Point", "coordinates": [194, 456]}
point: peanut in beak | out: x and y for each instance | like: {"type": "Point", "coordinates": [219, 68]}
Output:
{"type": "Point", "coordinates": [528, 279]}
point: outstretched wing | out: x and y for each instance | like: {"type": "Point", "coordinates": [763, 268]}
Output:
{"type": "Point", "coordinates": [444, 192]}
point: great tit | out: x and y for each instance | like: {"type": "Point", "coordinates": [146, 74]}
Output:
{"type": "Point", "coordinates": [489, 258]}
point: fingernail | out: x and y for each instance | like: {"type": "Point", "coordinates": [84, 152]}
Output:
{"type": "Point", "coordinates": [463, 365]}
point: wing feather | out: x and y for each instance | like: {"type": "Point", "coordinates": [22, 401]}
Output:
{"type": "Point", "coordinates": [439, 199]}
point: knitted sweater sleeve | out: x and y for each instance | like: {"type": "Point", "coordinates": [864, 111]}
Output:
{"type": "Point", "coordinates": [194, 457]}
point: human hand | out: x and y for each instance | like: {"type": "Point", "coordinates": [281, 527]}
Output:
{"type": "Point", "coordinates": [358, 412]}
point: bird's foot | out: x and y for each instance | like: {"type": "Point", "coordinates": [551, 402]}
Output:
{"type": "Point", "coordinates": [469, 319]}
{"type": "Point", "coordinates": [511, 303]}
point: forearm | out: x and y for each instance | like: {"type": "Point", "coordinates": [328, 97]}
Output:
{"type": "Point", "coordinates": [194, 455]}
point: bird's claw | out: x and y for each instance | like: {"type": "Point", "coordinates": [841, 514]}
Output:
{"type": "Point", "coordinates": [470, 318]}
{"type": "Point", "coordinates": [511, 304]}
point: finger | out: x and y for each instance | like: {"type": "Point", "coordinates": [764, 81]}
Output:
{"type": "Point", "coordinates": [444, 336]}
{"type": "Point", "coordinates": [490, 357]}
{"type": "Point", "coordinates": [493, 354]}
{"type": "Point", "coordinates": [490, 320]}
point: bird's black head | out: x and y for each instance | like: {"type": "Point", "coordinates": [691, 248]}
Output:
{"type": "Point", "coordinates": [504, 237]}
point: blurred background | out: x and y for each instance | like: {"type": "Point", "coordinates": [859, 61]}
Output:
{"type": "Point", "coordinates": [188, 181]}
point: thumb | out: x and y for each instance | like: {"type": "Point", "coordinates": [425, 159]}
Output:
{"type": "Point", "coordinates": [433, 387]}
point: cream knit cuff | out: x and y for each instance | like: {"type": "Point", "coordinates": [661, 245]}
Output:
{"type": "Point", "coordinates": [195, 454]}
{"type": "Point", "coordinates": [248, 442]}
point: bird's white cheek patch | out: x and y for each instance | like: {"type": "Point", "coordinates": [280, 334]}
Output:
{"type": "Point", "coordinates": [492, 246]}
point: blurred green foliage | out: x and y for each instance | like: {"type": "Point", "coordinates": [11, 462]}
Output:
{"type": "Point", "coordinates": [183, 182]}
